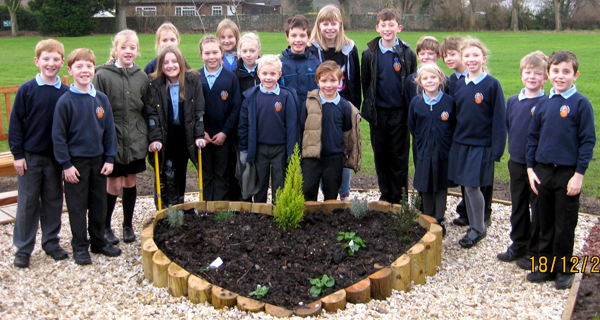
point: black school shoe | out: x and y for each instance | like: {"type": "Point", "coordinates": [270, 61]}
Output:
{"type": "Point", "coordinates": [525, 262]}
{"type": "Point", "coordinates": [110, 237]}
{"type": "Point", "coordinates": [58, 254]}
{"type": "Point", "coordinates": [128, 234]}
{"type": "Point", "coordinates": [564, 281]}
{"type": "Point", "coordinates": [467, 242]}
{"type": "Point", "coordinates": [109, 251]}
{"type": "Point", "coordinates": [509, 255]}
{"type": "Point", "coordinates": [460, 222]}
{"type": "Point", "coordinates": [21, 260]}
{"type": "Point", "coordinates": [82, 257]}
{"type": "Point", "coordinates": [538, 277]}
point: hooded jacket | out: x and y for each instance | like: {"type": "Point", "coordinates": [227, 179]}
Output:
{"type": "Point", "coordinates": [247, 80]}
{"type": "Point", "coordinates": [157, 104]}
{"type": "Point", "coordinates": [408, 60]}
{"type": "Point", "coordinates": [351, 70]}
{"type": "Point", "coordinates": [299, 72]}
{"type": "Point", "coordinates": [126, 91]}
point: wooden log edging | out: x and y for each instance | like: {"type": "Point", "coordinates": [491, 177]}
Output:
{"type": "Point", "coordinates": [412, 267]}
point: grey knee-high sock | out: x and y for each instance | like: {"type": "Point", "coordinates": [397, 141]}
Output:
{"type": "Point", "coordinates": [475, 208]}
{"type": "Point", "coordinates": [110, 207]}
{"type": "Point", "coordinates": [440, 204]}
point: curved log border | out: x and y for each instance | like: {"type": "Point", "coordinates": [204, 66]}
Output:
{"type": "Point", "coordinates": [418, 262]}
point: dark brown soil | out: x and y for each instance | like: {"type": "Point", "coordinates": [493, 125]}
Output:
{"type": "Point", "coordinates": [588, 298]}
{"type": "Point", "coordinates": [255, 251]}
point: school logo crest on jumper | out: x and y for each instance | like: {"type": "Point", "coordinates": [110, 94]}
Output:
{"type": "Point", "coordinates": [564, 111]}
{"type": "Point", "coordinates": [532, 111]}
{"type": "Point", "coordinates": [445, 116]}
{"type": "Point", "coordinates": [397, 66]}
{"type": "Point", "coordinates": [224, 95]}
{"type": "Point", "coordinates": [478, 97]}
{"type": "Point", "coordinates": [99, 112]}
{"type": "Point", "coordinates": [277, 106]}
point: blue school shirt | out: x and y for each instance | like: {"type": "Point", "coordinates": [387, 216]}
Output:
{"type": "Point", "coordinates": [174, 92]}
{"type": "Point", "coordinates": [230, 61]}
{"type": "Point", "coordinates": [212, 77]}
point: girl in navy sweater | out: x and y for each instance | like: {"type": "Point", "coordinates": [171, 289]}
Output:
{"type": "Point", "coordinates": [479, 137]}
{"type": "Point", "coordinates": [431, 121]}
{"type": "Point", "coordinates": [223, 101]}
{"type": "Point", "coordinates": [330, 43]}
{"type": "Point", "coordinates": [175, 108]}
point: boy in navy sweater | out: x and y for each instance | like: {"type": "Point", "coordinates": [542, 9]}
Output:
{"type": "Point", "coordinates": [85, 144]}
{"type": "Point", "coordinates": [323, 122]}
{"type": "Point", "coordinates": [299, 65]}
{"type": "Point", "coordinates": [525, 227]}
{"type": "Point", "coordinates": [30, 141]}
{"type": "Point", "coordinates": [268, 127]}
{"type": "Point", "coordinates": [560, 146]}
{"type": "Point", "coordinates": [386, 64]}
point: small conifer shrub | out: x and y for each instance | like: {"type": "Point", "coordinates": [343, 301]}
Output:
{"type": "Point", "coordinates": [289, 209]}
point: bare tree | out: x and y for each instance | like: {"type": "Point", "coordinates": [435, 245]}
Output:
{"type": "Point", "coordinates": [473, 14]}
{"type": "Point", "coordinates": [121, 15]}
{"type": "Point", "coordinates": [235, 4]}
{"type": "Point", "coordinates": [514, 22]}
{"type": "Point", "coordinates": [557, 20]}
{"type": "Point", "coordinates": [13, 6]}
{"type": "Point", "coordinates": [345, 9]}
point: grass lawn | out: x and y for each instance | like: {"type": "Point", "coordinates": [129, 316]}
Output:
{"type": "Point", "coordinates": [507, 49]}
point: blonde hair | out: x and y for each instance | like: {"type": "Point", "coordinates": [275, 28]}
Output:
{"type": "Point", "coordinates": [428, 43]}
{"type": "Point", "coordinates": [534, 60]}
{"type": "Point", "coordinates": [249, 37]}
{"type": "Point", "coordinates": [433, 68]}
{"type": "Point", "coordinates": [269, 60]}
{"type": "Point", "coordinates": [120, 38]}
{"type": "Point", "coordinates": [49, 45]}
{"type": "Point", "coordinates": [474, 42]}
{"type": "Point", "coordinates": [210, 39]}
{"type": "Point", "coordinates": [81, 54]}
{"type": "Point", "coordinates": [167, 26]}
{"type": "Point", "coordinates": [184, 68]}
{"type": "Point", "coordinates": [228, 24]}
{"type": "Point", "coordinates": [329, 13]}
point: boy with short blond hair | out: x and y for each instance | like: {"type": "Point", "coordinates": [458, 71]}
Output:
{"type": "Point", "coordinates": [519, 108]}
{"type": "Point", "coordinates": [85, 144]}
{"type": "Point", "coordinates": [386, 64]}
{"type": "Point", "coordinates": [38, 173]}
{"type": "Point", "coordinates": [299, 65]}
{"type": "Point", "coordinates": [323, 121]}
{"type": "Point", "coordinates": [268, 128]}
{"type": "Point", "coordinates": [560, 146]}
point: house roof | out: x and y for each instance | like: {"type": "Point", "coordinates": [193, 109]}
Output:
{"type": "Point", "coordinates": [177, 2]}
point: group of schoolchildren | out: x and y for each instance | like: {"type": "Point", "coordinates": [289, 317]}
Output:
{"type": "Point", "coordinates": [247, 112]}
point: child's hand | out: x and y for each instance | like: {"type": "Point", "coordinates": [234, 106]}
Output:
{"type": "Point", "coordinates": [71, 175]}
{"type": "Point", "coordinates": [219, 138]}
{"type": "Point", "coordinates": [154, 146]}
{"type": "Point", "coordinates": [207, 137]}
{"type": "Point", "coordinates": [533, 179]}
{"type": "Point", "coordinates": [200, 143]}
{"type": "Point", "coordinates": [574, 185]}
{"type": "Point", "coordinates": [20, 166]}
{"type": "Point", "coordinates": [107, 168]}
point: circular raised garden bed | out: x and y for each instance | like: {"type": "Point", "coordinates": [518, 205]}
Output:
{"type": "Point", "coordinates": [418, 262]}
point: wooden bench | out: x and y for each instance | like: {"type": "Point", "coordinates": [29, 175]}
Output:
{"type": "Point", "coordinates": [6, 158]}
{"type": "Point", "coordinates": [200, 29]}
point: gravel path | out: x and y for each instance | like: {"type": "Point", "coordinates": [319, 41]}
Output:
{"type": "Point", "coordinates": [471, 284]}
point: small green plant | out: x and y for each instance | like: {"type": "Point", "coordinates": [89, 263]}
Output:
{"type": "Point", "coordinates": [408, 213]}
{"type": "Point", "coordinates": [175, 218]}
{"type": "Point", "coordinates": [289, 210]}
{"type": "Point", "coordinates": [319, 286]}
{"type": "Point", "coordinates": [596, 317]}
{"type": "Point", "coordinates": [224, 215]}
{"type": "Point", "coordinates": [260, 292]}
{"type": "Point", "coordinates": [359, 208]}
{"type": "Point", "coordinates": [204, 269]}
{"type": "Point", "coordinates": [353, 243]}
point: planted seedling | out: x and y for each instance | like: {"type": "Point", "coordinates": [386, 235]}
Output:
{"type": "Point", "coordinates": [224, 215]}
{"type": "Point", "coordinates": [353, 243]}
{"type": "Point", "coordinates": [175, 218]}
{"type": "Point", "coordinates": [260, 292]}
{"type": "Point", "coordinates": [320, 286]}
{"type": "Point", "coordinates": [359, 208]}
{"type": "Point", "coordinates": [408, 213]}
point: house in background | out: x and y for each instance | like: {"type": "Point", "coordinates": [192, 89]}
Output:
{"type": "Point", "coordinates": [148, 8]}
